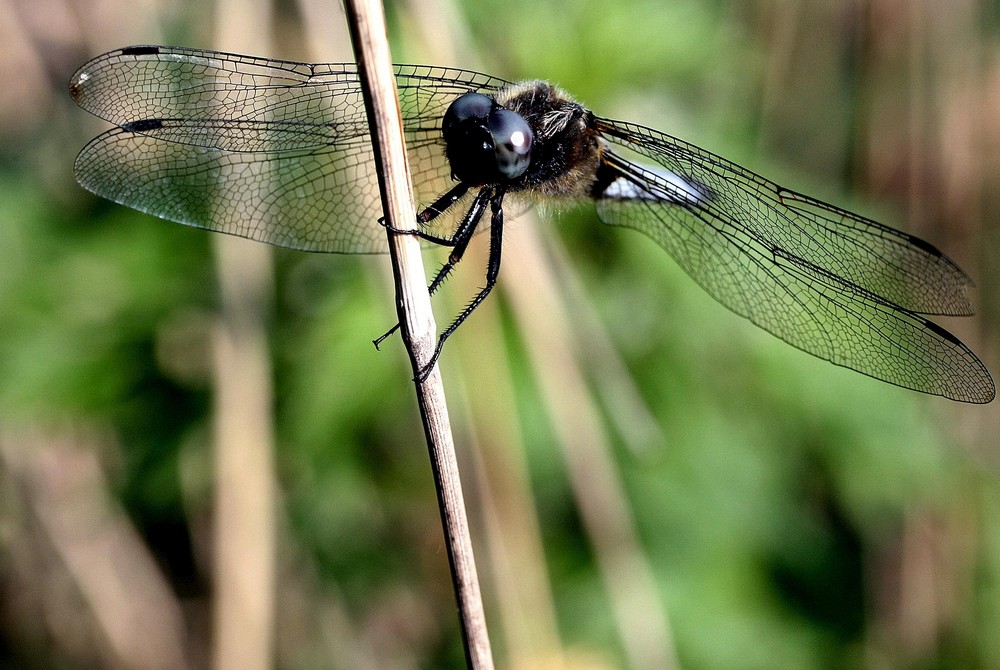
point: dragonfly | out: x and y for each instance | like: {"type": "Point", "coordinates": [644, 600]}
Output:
{"type": "Point", "coordinates": [279, 152]}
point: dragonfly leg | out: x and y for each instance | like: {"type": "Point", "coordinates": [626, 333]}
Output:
{"type": "Point", "coordinates": [460, 241]}
{"type": "Point", "coordinates": [430, 213]}
{"type": "Point", "coordinates": [492, 272]}
{"type": "Point", "coordinates": [462, 237]}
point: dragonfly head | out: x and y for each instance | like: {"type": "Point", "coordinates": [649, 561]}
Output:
{"type": "Point", "coordinates": [485, 142]}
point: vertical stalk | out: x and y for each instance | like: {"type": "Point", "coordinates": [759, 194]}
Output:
{"type": "Point", "coordinates": [417, 327]}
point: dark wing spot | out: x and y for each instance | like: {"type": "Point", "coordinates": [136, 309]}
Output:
{"type": "Point", "coordinates": [140, 51]}
{"type": "Point", "coordinates": [143, 125]}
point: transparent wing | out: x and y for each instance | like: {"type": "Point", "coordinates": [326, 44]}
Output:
{"type": "Point", "coordinates": [839, 286]}
{"type": "Point", "coordinates": [271, 150]}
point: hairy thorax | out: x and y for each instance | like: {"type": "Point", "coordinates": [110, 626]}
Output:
{"type": "Point", "coordinates": [566, 151]}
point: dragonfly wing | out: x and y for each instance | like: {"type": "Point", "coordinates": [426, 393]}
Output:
{"type": "Point", "coordinates": [892, 265]}
{"type": "Point", "coordinates": [835, 285]}
{"type": "Point", "coordinates": [289, 198]}
{"type": "Point", "coordinates": [272, 150]}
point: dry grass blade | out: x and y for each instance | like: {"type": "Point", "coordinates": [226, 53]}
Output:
{"type": "Point", "coordinates": [368, 34]}
{"type": "Point", "coordinates": [245, 504]}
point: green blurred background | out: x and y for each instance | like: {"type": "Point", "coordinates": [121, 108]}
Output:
{"type": "Point", "coordinates": [204, 462]}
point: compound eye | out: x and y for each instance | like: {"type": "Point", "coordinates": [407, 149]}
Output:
{"type": "Point", "coordinates": [512, 140]}
{"type": "Point", "coordinates": [465, 107]}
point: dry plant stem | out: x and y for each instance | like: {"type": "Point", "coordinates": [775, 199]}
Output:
{"type": "Point", "coordinates": [639, 614]}
{"type": "Point", "coordinates": [367, 25]}
{"type": "Point", "coordinates": [74, 556]}
{"type": "Point", "coordinates": [245, 503]}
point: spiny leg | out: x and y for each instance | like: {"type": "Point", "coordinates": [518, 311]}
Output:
{"type": "Point", "coordinates": [462, 237]}
{"type": "Point", "coordinates": [492, 272]}
{"type": "Point", "coordinates": [431, 212]}
{"type": "Point", "coordinates": [459, 241]}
